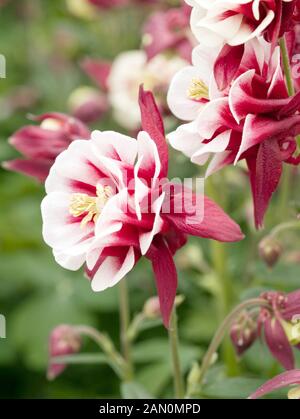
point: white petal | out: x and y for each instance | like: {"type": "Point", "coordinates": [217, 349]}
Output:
{"type": "Point", "coordinates": [112, 270]}
{"type": "Point", "coordinates": [58, 232]}
{"type": "Point", "coordinates": [178, 99]}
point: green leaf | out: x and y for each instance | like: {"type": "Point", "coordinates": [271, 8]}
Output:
{"type": "Point", "coordinates": [134, 390]}
{"type": "Point", "coordinates": [31, 324]}
{"type": "Point", "coordinates": [232, 388]}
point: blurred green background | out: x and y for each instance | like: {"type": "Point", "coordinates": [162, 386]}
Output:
{"type": "Point", "coordinates": [43, 43]}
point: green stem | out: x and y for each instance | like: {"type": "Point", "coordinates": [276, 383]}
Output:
{"type": "Point", "coordinates": [284, 226]}
{"type": "Point", "coordinates": [124, 326]}
{"type": "Point", "coordinates": [116, 361]}
{"type": "Point", "coordinates": [174, 345]}
{"type": "Point", "coordinates": [218, 338]}
{"type": "Point", "coordinates": [226, 291]}
{"type": "Point", "coordinates": [286, 177]}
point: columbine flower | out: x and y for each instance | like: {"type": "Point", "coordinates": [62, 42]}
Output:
{"type": "Point", "coordinates": [253, 118]}
{"type": "Point", "coordinates": [104, 208]}
{"type": "Point", "coordinates": [169, 30]}
{"type": "Point", "coordinates": [41, 144]}
{"type": "Point", "coordinates": [217, 22]}
{"type": "Point", "coordinates": [286, 379]}
{"type": "Point", "coordinates": [278, 320]}
{"type": "Point", "coordinates": [64, 340]}
{"type": "Point", "coordinates": [128, 71]}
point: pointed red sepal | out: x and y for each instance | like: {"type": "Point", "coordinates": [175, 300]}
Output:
{"type": "Point", "coordinates": [153, 124]}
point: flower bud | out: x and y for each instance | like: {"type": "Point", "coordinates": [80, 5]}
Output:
{"type": "Point", "coordinates": [64, 340]}
{"type": "Point", "coordinates": [88, 104]}
{"type": "Point", "coordinates": [151, 308]}
{"type": "Point", "coordinates": [82, 9]}
{"type": "Point", "coordinates": [40, 145]}
{"type": "Point", "coordinates": [270, 250]}
{"type": "Point", "coordinates": [243, 333]}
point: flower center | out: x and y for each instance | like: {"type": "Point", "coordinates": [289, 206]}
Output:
{"type": "Point", "coordinates": [198, 90]}
{"type": "Point", "coordinates": [91, 206]}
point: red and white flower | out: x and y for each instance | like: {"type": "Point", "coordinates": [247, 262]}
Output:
{"type": "Point", "coordinates": [235, 22]}
{"type": "Point", "coordinates": [97, 211]}
{"type": "Point", "coordinates": [253, 119]}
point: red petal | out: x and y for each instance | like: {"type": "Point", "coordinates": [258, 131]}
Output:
{"type": "Point", "coordinates": [283, 380]}
{"type": "Point", "coordinates": [212, 222]}
{"type": "Point", "coordinates": [97, 70]}
{"type": "Point", "coordinates": [38, 169]}
{"type": "Point", "coordinates": [292, 107]}
{"type": "Point", "coordinates": [265, 171]}
{"type": "Point", "coordinates": [165, 275]}
{"type": "Point", "coordinates": [227, 64]}
{"type": "Point", "coordinates": [278, 344]}
{"type": "Point", "coordinates": [153, 124]}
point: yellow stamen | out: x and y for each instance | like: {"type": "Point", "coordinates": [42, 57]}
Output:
{"type": "Point", "coordinates": [198, 90]}
{"type": "Point", "coordinates": [292, 330]}
{"type": "Point", "coordinates": [91, 205]}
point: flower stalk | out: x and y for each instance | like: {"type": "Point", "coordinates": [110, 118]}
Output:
{"type": "Point", "coordinates": [287, 175]}
{"type": "Point", "coordinates": [226, 293]}
{"type": "Point", "coordinates": [116, 361]}
{"type": "Point", "coordinates": [174, 345]}
{"type": "Point", "coordinates": [124, 326]}
{"type": "Point", "coordinates": [208, 358]}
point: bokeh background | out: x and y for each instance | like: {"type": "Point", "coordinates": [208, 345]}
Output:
{"type": "Point", "coordinates": [43, 43]}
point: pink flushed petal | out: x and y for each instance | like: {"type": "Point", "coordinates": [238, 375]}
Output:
{"type": "Point", "coordinates": [278, 88]}
{"type": "Point", "coordinates": [285, 379]}
{"type": "Point", "coordinates": [227, 64]}
{"type": "Point", "coordinates": [146, 238]}
{"type": "Point", "coordinates": [290, 108]}
{"type": "Point", "coordinates": [212, 222]}
{"type": "Point", "coordinates": [73, 128]}
{"type": "Point", "coordinates": [292, 306]}
{"type": "Point", "coordinates": [214, 115]}
{"type": "Point", "coordinates": [278, 344]}
{"type": "Point", "coordinates": [115, 146]}
{"type": "Point", "coordinates": [97, 70]}
{"type": "Point", "coordinates": [39, 143]}
{"type": "Point", "coordinates": [217, 145]}
{"type": "Point", "coordinates": [150, 166]}
{"type": "Point", "coordinates": [165, 276]}
{"type": "Point", "coordinates": [36, 168]}
{"type": "Point", "coordinates": [152, 123]}
{"type": "Point", "coordinates": [219, 161]}
{"type": "Point", "coordinates": [258, 129]}
{"type": "Point", "coordinates": [265, 171]}
{"type": "Point", "coordinates": [113, 269]}
{"type": "Point", "coordinates": [242, 100]}
{"type": "Point", "coordinates": [254, 56]}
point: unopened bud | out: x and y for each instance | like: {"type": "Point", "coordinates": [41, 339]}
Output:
{"type": "Point", "coordinates": [64, 340]}
{"type": "Point", "coordinates": [88, 104]}
{"type": "Point", "coordinates": [243, 333]}
{"type": "Point", "coordinates": [151, 308]}
{"type": "Point", "coordinates": [270, 250]}
{"type": "Point", "coordinates": [82, 9]}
